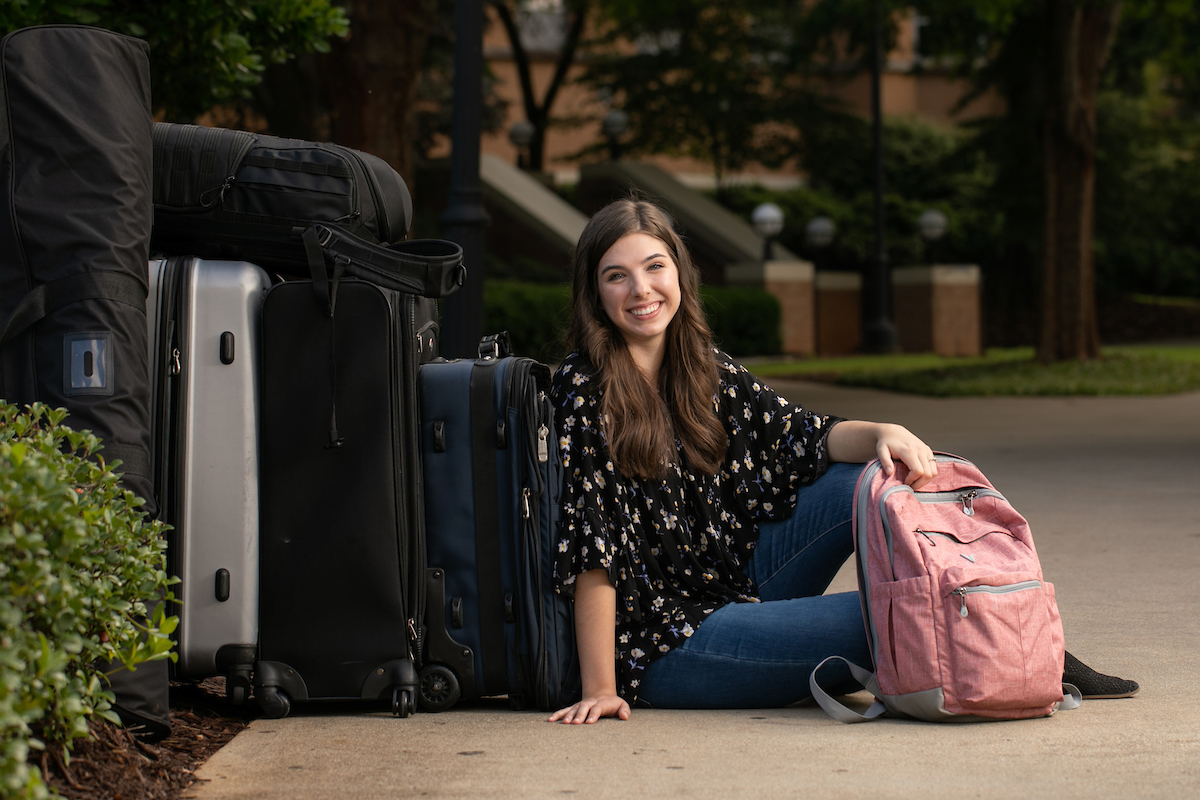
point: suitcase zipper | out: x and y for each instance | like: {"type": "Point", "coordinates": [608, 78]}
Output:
{"type": "Point", "coordinates": [381, 231]}
{"type": "Point", "coordinates": [963, 591]}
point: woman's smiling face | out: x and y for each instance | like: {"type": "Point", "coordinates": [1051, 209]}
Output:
{"type": "Point", "coordinates": [639, 289]}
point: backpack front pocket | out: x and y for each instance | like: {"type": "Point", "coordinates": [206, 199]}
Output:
{"type": "Point", "coordinates": [1001, 637]}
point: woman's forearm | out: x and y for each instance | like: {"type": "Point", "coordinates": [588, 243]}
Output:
{"type": "Point", "coordinates": [857, 440]}
{"type": "Point", "coordinates": [853, 441]}
{"type": "Point", "coordinates": [595, 632]}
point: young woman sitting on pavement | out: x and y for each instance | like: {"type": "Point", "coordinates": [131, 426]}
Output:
{"type": "Point", "coordinates": [682, 472]}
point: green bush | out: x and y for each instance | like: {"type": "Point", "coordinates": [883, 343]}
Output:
{"type": "Point", "coordinates": [535, 315]}
{"type": "Point", "coordinates": [744, 320]}
{"type": "Point", "coordinates": [78, 559]}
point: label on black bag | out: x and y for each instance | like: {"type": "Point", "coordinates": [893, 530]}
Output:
{"type": "Point", "coordinates": [88, 366]}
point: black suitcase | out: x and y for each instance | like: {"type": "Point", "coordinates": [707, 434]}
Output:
{"type": "Point", "coordinates": [492, 483]}
{"type": "Point", "coordinates": [75, 215]}
{"type": "Point", "coordinates": [340, 563]}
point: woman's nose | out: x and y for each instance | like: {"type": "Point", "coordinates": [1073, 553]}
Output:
{"type": "Point", "coordinates": [640, 285]}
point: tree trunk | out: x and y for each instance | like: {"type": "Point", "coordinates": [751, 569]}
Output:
{"type": "Point", "coordinates": [537, 113]}
{"type": "Point", "coordinates": [1079, 33]}
{"type": "Point", "coordinates": [371, 78]}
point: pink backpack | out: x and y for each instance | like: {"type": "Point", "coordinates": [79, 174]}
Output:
{"type": "Point", "coordinates": [960, 623]}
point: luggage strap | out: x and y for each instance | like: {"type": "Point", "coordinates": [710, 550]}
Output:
{"type": "Point", "coordinates": [47, 298]}
{"type": "Point", "coordinates": [424, 267]}
{"type": "Point", "coordinates": [326, 294]}
{"type": "Point", "coordinates": [1072, 698]}
{"type": "Point", "coordinates": [134, 459]}
{"type": "Point", "coordinates": [493, 652]}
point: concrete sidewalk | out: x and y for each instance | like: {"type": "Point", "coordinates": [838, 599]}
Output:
{"type": "Point", "coordinates": [1110, 486]}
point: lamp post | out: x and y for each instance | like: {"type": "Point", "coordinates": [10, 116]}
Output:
{"type": "Point", "coordinates": [465, 218]}
{"type": "Point", "coordinates": [614, 125]}
{"type": "Point", "coordinates": [768, 221]}
{"type": "Point", "coordinates": [819, 233]}
{"type": "Point", "coordinates": [521, 135]}
{"type": "Point", "coordinates": [879, 333]}
{"type": "Point", "coordinates": [932, 224]}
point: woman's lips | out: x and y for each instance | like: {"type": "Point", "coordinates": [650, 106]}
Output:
{"type": "Point", "coordinates": [645, 311]}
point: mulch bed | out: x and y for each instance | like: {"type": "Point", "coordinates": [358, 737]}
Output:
{"type": "Point", "coordinates": [114, 765]}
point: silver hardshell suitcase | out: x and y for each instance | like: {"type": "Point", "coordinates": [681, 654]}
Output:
{"type": "Point", "coordinates": [204, 320]}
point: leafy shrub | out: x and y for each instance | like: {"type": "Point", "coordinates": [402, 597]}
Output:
{"type": "Point", "coordinates": [745, 320]}
{"type": "Point", "coordinates": [535, 315]}
{"type": "Point", "coordinates": [78, 560]}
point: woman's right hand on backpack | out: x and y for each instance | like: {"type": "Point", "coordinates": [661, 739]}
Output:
{"type": "Point", "coordinates": [590, 709]}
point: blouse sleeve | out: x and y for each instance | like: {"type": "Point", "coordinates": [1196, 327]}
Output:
{"type": "Point", "coordinates": [775, 446]}
{"type": "Point", "coordinates": [590, 505]}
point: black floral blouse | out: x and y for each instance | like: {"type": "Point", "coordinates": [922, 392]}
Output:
{"type": "Point", "coordinates": [674, 549]}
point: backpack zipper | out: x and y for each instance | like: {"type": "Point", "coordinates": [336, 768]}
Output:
{"type": "Point", "coordinates": [965, 495]}
{"type": "Point", "coordinates": [963, 591]}
{"type": "Point", "coordinates": [930, 534]}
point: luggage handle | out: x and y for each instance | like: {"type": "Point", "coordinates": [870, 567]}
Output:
{"type": "Point", "coordinates": [495, 345]}
{"type": "Point", "coordinates": [425, 267]}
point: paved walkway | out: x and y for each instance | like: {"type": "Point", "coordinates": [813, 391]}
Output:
{"type": "Point", "coordinates": [1110, 486]}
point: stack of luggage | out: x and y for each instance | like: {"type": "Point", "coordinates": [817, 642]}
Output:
{"type": "Point", "coordinates": [242, 320]}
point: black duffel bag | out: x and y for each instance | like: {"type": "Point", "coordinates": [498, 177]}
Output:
{"type": "Point", "coordinates": [225, 194]}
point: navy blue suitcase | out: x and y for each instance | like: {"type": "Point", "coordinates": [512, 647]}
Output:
{"type": "Point", "coordinates": [492, 483]}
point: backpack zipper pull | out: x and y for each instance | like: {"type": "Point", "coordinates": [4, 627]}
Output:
{"type": "Point", "coordinates": [525, 502]}
{"type": "Point", "coordinates": [962, 593]}
{"type": "Point", "coordinates": [967, 500]}
{"type": "Point", "coordinates": [927, 536]}
{"type": "Point", "coordinates": [543, 450]}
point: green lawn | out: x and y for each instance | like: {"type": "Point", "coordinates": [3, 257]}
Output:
{"type": "Point", "coordinates": [1121, 370]}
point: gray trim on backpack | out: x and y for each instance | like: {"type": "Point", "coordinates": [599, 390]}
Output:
{"type": "Point", "coordinates": [929, 705]}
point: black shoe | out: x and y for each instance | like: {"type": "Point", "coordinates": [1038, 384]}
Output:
{"type": "Point", "coordinates": [1094, 686]}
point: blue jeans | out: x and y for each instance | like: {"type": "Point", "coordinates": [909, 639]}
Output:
{"type": "Point", "coordinates": [759, 655]}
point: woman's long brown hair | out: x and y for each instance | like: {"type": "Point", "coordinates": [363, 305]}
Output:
{"type": "Point", "coordinates": [641, 422]}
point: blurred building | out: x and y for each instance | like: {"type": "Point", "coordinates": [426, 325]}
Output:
{"type": "Point", "coordinates": [912, 86]}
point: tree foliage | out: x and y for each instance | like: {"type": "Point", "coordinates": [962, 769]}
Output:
{"type": "Point", "coordinates": [1062, 167]}
{"type": "Point", "coordinates": [696, 78]}
{"type": "Point", "coordinates": [202, 52]}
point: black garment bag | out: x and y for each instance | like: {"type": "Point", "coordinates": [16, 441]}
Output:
{"type": "Point", "coordinates": [75, 164]}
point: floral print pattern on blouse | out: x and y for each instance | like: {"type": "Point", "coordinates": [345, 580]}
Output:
{"type": "Point", "coordinates": [674, 548]}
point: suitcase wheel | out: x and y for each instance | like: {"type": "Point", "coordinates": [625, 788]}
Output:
{"type": "Point", "coordinates": [439, 688]}
{"type": "Point", "coordinates": [274, 702]}
{"type": "Point", "coordinates": [237, 686]}
{"type": "Point", "coordinates": [403, 702]}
